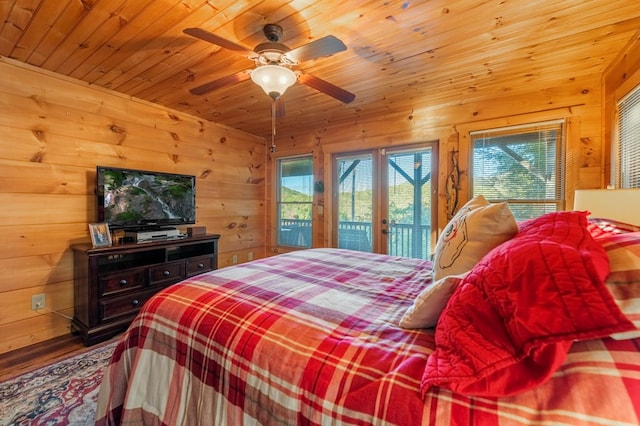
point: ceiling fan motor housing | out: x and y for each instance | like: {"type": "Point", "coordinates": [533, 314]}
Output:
{"type": "Point", "coordinates": [271, 52]}
{"type": "Point", "coordinates": [273, 32]}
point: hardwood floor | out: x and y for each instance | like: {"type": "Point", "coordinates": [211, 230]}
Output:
{"type": "Point", "coordinates": [32, 357]}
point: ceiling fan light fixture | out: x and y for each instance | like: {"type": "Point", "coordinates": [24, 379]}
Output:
{"type": "Point", "coordinates": [273, 79]}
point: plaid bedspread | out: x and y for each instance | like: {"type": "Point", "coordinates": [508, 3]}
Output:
{"type": "Point", "coordinates": [311, 337]}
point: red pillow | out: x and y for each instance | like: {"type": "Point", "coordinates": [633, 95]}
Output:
{"type": "Point", "coordinates": [511, 321]}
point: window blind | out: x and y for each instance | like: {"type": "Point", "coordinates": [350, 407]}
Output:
{"type": "Point", "coordinates": [628, 158]}
{"type": "Point", "coordinates": [522, 165]}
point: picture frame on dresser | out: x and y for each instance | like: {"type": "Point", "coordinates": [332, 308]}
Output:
{"type": "Point", "coordinates": [100, 234]}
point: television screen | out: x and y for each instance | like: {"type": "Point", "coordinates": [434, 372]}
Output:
{"type": "Point", "coordinates": [141, 199]}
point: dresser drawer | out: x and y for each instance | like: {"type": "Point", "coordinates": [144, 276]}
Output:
{"type": "Point", "coordinates": [130, 279]}
{"type": "Point", "coordinates": [166, 274]}
{"type": "Point", "coordinates": [122, 306]}
{"type": "Point", "coordinates": [112, 283]}
{"type": "Point", "coordinates": [198, 265]}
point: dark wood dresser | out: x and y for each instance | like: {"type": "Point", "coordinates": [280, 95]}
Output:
{"type": "Point", "coordinates": [112, 283]}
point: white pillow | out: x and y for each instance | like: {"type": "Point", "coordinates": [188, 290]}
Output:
{"type": "Point", "coordinates": [477, 228]}
{"type": "Point", "coordinates": [430, 303]}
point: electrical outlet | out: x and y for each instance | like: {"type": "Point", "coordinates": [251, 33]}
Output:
{"type": "Point", "coordinates": [250, 256]}
{"type": "Point", "coordinates": [234, 259]}
{"type": "Point", "coordinates": [37, 301]}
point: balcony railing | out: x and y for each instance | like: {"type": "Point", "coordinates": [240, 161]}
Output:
{"type": "Point", "coordinates": [408, 240]}
{"type": "Point", "coordinates": [405, 240]}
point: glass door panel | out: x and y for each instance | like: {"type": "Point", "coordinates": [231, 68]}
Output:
{"type": "Point", "coordinates": [295, 201]}
{"type": "Point", "coordinates": [384, 201]}
{"type": "Point", "coordinates": [409, 201]}
{"type": "Point", "coordinates": [355, 201]}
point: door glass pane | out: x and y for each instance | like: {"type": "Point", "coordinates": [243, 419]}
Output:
{"type": "Point", "coordinates": [409, 189]}
{"type": "Point", "coordinates": [295, 201]}
{"type": "Point", "coordinates": [355, 201]}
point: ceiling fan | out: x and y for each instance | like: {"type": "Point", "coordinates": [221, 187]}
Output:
{"type": "Point", "coordinates": [273, 62]}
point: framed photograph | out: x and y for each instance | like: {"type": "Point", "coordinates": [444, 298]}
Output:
{"type": "Point", "coordinates": [100, 235]}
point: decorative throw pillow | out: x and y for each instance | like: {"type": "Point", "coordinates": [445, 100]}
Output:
{"type": "Point", "coordinates": [430, 303]}
{"type": "Point", "coordinates": [623, 281]}
{"type": "Point", "coordinates": [477, 228]}
{"type": "Point", "coordinates": [511, 321]}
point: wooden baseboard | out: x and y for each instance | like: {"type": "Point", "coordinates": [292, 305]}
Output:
{"type": "Point", "coordinates": [38, 355]}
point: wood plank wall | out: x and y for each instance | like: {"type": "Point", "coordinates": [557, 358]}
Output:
{"type": "Point", "coordinates": [578, 101]}
{"type": "Point", "coordinates": [53, 133]}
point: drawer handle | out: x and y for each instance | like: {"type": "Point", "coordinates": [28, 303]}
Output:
{"type": "Point", "coordinates": [166, 273]}
{"type": "Point", "coordinates": [135, 302]}
{"type": "Point", "coordinates": [123, 282]}
{"type": "Point", "coordinates": [200, 265]}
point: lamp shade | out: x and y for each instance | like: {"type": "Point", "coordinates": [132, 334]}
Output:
{"type": "Point", "coordinates": [274, 79]}
{"type": "Point", "coordinates": [619, 204]}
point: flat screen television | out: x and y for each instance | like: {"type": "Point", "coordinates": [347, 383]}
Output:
{"type": "Point", "coordinates": [140, 199]}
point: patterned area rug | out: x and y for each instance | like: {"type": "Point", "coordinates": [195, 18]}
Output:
{"type": "Point", "coordinates": [63, 393]}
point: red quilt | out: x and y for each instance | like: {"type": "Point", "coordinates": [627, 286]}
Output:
{"type": "Point", "coordinates": [511, 322]}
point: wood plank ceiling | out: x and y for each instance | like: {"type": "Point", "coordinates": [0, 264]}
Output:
{"type": "Point", "coordinates": [401, 55]}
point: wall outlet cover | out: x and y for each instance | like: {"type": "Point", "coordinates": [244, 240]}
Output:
{"type": "Point", "coordinates": [37, 301]}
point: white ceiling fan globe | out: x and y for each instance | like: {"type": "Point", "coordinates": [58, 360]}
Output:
{"type": "Point", "coordinates": [273, 79]}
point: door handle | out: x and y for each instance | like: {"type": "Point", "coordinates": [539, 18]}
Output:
{"type": "Point", "coordinates": [384, 221]}
{"type": "Point", "coordinates": [385, 232]}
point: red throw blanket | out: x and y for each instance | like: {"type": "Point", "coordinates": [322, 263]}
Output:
{"type": "Point", "coordinates": [510, 323]}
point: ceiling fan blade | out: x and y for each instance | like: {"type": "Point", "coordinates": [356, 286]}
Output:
{"type": "Point", "coordinates": [212, 38]}
{"type": "Point", "coordinates": [326, 87]}
{"type": "Point", "coordinates": [221, 82]}
{"type": "Point", "coordinates": [324, 46]}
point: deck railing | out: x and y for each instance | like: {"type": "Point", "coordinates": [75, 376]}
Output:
{"type": "Point", "coordinates": [405, 240]}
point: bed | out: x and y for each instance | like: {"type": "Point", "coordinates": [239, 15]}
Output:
{"type": "Point", "coordinates": [315, 337]}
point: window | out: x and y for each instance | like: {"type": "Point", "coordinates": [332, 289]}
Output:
{"type": "Point", "coordinates": [627, 164]}
{"type": "Point", "coordinates": [521, 165]}
{"type": "Point", "coordinates": [294, 201]}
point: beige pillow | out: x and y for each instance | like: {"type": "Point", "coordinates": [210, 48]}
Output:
{"type": "Point", "coordinates": [477, 228]}
{"type": "Point", "coordinates": [430, 303]}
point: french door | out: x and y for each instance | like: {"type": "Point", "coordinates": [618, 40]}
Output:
{"type": "Point", "coordinates": [384, 202]}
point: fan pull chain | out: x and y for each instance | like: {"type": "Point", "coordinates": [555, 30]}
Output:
{"type": "Point", "coordinates": [273, 126]}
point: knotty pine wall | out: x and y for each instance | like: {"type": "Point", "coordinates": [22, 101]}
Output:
{"type": "Point", "coordinates": [53, 133]}
{"type": "Point", "coordinates": [578, 101]}
{"type": "Point", "coordinates": [587, 105]}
